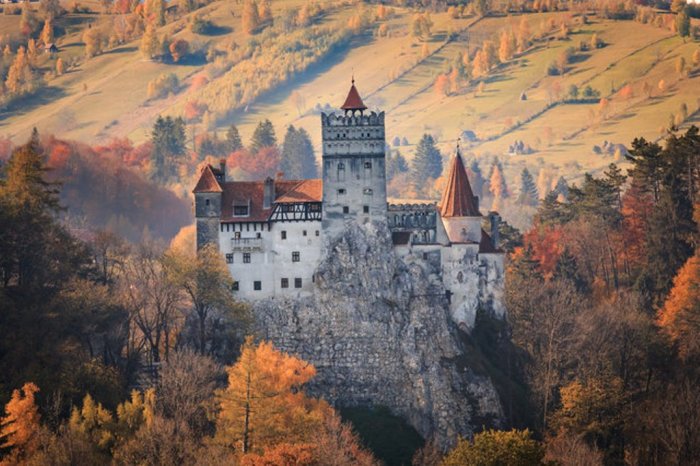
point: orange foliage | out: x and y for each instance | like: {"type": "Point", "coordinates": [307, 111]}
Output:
{"type": "Point", "coordinates": [198, 82]}
{"type": "Point", "coordinates": [547, 246]}
{"type": "Point", "coordinates": [442, 85]}
{"type": "Point", "coordinates": [20, 426]}
{"type": "Point", "coordinates": [627, 92]}
{"type": "Point", "coordinates": [284, 454]}
{"type": "Point", "coordinates": [59, 155]}
{"type": "Point", "coordinates": [680, 316]}
{"type": "Point", "coordinates": [257, 166]}
{"type": "Point", "coordinates": [194, 109]}
{"type": "Point", "coordinates": [636, 209]}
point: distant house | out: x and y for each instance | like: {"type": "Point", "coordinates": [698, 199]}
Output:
{"type": "Point", "coordinates": [50, 48]}
{"type": "Point", "coordinates": [468, 135]}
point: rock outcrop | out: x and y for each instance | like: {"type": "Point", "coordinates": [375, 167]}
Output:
{"type": "Point", "coordinates": [380, 333]}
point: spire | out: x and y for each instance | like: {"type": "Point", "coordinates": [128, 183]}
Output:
{"type": "Point", "coordinates": [207, 182]}
{"type": "Point", "coordinates": [458, 199]}
{"type": "Point", "coordinates": [353, 101]}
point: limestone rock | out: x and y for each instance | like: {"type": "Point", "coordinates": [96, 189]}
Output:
{"type": "Point", "coordinates": [380, 333]}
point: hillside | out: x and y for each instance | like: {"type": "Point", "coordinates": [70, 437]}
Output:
{"type": "Point", "coordinates": [107, 96]}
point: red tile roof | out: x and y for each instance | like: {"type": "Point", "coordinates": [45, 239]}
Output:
{"type": "Point", "coordinates": [458, 199]}
{"type": "Point", "coordinates": [207, 182]}
{"type": "Point", "coordinates": [353, 101]}
{"type": "Point", "coordinates": [303, 191]}
{"type": "Point", "coordinates": [286, 191]}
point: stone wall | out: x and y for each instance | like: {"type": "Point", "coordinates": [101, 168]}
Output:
{"type": "Point", "coordinates": [380, 333]}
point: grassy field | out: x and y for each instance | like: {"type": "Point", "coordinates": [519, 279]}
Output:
{"type": "Point", "coordinates": [106, 96]}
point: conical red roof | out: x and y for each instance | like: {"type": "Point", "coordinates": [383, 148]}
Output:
{"type": "Point", "coordinates": [458, 199]}
{"type": "Point", "coordinates": [353, 101]}
{"type": "Point", "coordinates": [207, 182]}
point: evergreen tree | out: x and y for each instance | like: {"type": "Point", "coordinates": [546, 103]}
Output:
{"type": "Point", "coordinates": [528, 190]}
{"type": "Point", "coordinates": [298, 159]}
{"type": "Point", "coordinates": [683, 24]}
{"type": "Point", "coordinates": [562, 188]}
{"type": "Point", "coordinates": [395, 164]}
{"type": "Point", "coordinates": [567, 269]}
{"type": "Point", "coordinates": [233, 139]}
{"type": "Point", "coordinates": [263, 136]}
{"type": "Point", "coordinates": [476, 178]}
{"type": "Point", "coordinates": [168, 138]}
{"type": "Point", "coordinates": [427, 163]}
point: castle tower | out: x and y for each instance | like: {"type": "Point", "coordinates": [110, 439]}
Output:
{"type": "Point", "coordinates": [354, 172]}
{"type": "Point", "coordinates": [459, 208]}
{"type": "Point", "coordinates": [207, 207]}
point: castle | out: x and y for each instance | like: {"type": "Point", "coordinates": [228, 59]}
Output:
{"type": "Point", "coordinates": [273, 232]}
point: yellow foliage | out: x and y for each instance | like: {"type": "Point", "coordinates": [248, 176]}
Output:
{"type": "Point", "coordinates": [20, 426]}
{"type": "Point", "coordinates": [680, 316]}
{"type": "Point", "coordinates": [263, 404]}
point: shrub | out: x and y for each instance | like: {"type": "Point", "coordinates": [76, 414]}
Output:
{"type": "Point", "coordinates": [163, 85]}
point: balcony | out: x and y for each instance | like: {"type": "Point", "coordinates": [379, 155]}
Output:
{"type": "Point", "coordinates": [246, 244]}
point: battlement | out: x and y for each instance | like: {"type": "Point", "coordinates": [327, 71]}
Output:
{"type": "Point", "coordinates": [348, 120]}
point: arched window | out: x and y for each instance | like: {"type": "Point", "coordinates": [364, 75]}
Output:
{"type": "Point", "coordinates": [460, 277]}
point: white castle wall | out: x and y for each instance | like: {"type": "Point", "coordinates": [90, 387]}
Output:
{"type": "Point", "coordinates": [271, 257]}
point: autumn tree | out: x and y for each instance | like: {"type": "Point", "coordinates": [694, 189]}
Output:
{"type": "Point", "coordinates": [60, 67]}
{"type": "Point", "coordinates": [250, 18]}
{"type": "Point", "coordinates": [683, 24]}
{"type": "Point", "coordinates": [207, 283]}
{"type": "Point", "coordinates": [92, 37]}
{"type": "Point", "coordinates": [20, 78]}
{"type": "Point", "coordinates": [150, 43]}
{"type": "Point", "coordinates": [507, 46]}
{"type": "Point", "coordinates": [497, 186]}
{"type": "Point", "coordinates": [46, 36]}
{"type": "Point", "coordinates": [179, 49]}
{"type": "Point", "coordinates": [494, 448]}
{"type": "Point", "coordinates": [155, 12]}
{"type": "Point", "coordinates": [19, 429]}
{"type": "Point", "coordinates": [263, 404]}
{"type": "Point", "coordinates": [680, 315]}
{"type": "Point", "coordinates": [421, 26]}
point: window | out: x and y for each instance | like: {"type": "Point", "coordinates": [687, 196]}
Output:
{"type": "Point", "coordinates": [237, 235]}
{"type": "Point", "coordinates": [206, 202]}
{"type": "Point", "coordinates": [257, 285]}
{"type": "Point", "coordinates": [304, 233]}
{"type": "Point", "coordinates": [257, 235]}
{"type": "Point", "coordinates": [341, 192]}
{"type": "Point", "coordinates": [234, 286]}
{"type": "Point", "coordinates": [246, 258]}
{"type": "Point", "coordinates": [284, 234]}
{"type": "Point", "coordinates": [285, 283]}
{"type": "Point", "coordinates": [346, 209]}
{"type": "Point", "coordinates": [229, 258]}
{"type": "Point", "coordinates": [368, 165]}
{"type": "Point", "coordinates": [297, 283]}
{"type": "Point", "coordinates": [317, 233]}
{"type": "Point", "coordinates": [295, 256]}
{"type": "Point", "coordinates": [240, 210]}
{"type": "Point", "coordinates": [368, 191]}
{"type": "Point", "coordinates": [341, 171]}
{"type": "Point", "coordinates": [365, 209]}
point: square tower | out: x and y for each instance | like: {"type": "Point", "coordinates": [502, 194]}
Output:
{"type": "Point", "coordinates": [354, 171]}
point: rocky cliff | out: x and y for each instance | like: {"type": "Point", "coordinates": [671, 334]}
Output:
{"type": "Point", "coordinates": [380, 334]}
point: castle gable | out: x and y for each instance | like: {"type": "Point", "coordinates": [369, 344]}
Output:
{"type": "Point", "coordinates": [252, 195]}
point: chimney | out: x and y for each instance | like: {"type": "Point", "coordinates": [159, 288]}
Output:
{"type": "Point", "coordinates": [495, 221]}
{"type": "Point", "coordinates": [268, 193]}
{"type": "Point", "coordinates": [222, 167]}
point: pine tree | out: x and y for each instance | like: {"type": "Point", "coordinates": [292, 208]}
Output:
{"type": "Point", "coordinates": [476, 178]}
{"type": "Point", "coordinates": [168, 138]}
{"type": "Point", "coordinates": [263, 136]}
{"type": "Point", "coordinates": [427, 163]}
{"type": "Point", "coordinates": [528, 189]}
{"type": "Point", "coordinates": [233, 140]}
{"type": "Point", "coordinates": [395, 164]}
{"type": "Point", "coordinates": [298, 160]}
{"type": "Point", "coordinates": [683, 24]}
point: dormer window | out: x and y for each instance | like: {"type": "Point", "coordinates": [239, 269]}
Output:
{"type": "Point", "coordinates": [241, 209]}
